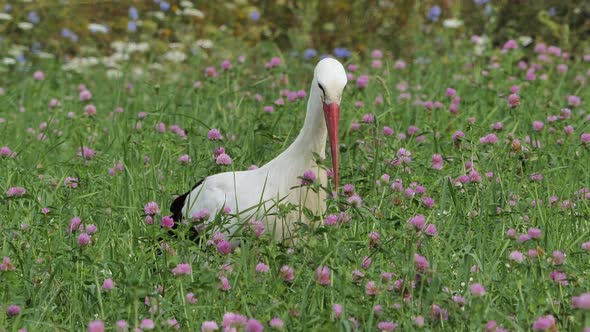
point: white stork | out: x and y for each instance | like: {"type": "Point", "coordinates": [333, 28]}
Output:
{"type": "Point", "coordinates": [255, 193]}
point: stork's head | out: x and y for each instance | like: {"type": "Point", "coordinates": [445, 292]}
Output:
{"type": "Point", "coordinates": [331, 80]}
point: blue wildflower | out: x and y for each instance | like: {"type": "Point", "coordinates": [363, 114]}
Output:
{"type": "Point", "coordinates": [164, 5]}
{"type": "Point", "coordinates": [67, 33]}
{"type": "Point", "coordinates": [310, 53]}
{"type": "Point", "coordinates": [341, 52]}
{"type": "Point", "coordinates": [552, 11]}
{"type": "Point", "coordinates": [481, 2]}
{"type": "Point", "coordinates": [33, 17]}
{"type": "Point", "coordinates": [8, 8]}
{"type": "Point", "coordinates": [434, 13]}
{"type": "Point", "coordinates": [131, 26]}
{"type": "Point", "coordinates": [255, 15]}
{"type": "Point", "coordinates": [133, 14]}
{"type": "Point", "coordinates": [21, 58]}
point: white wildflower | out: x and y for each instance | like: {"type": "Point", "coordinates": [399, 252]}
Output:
{"type": "Point", "coordinates": [156, 66]}
{"type": "Point", "coordinates": [175, 56]}
{"type": "Point", "coordinates": [25, 25]}
{"type": "Point", "coordinates": [95, 27]}
{"type": "Point", "coordinates": [480, 45]}
{"type": "Point", "coordinates": [137, 72]}
{"type": "Point", "coordinates": [118, 45]}
{"type": "Point", "coordinates": [122, 47]}
{"type": "Point", "coordinates": [452, 23]}
{"type": "Point", "coordinates": [45, 55]}
{"type": "Point", "coordinates": [173, 46]}
{"type": "Point", "coordinates": [79, 64]}
{"type": "Point", "coordinates": [17, 50]}
{"type": "Point", "coordinates": [525, 40]}
{"type": "Point", "coordinates": [193, 12]}
{"type": "Point", "coordinates": [204, 43]}
{"type": "Point", "coordinates": [139, 47]}
{"type": "Point", "coordinates": [8, 61]}
{"type": "Point", "coordinates": [159, 15]}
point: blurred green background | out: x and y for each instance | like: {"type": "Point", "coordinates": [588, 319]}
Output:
{"type": "Point", "coordinates": [68, 28]}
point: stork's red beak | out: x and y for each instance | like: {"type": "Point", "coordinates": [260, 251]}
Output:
{"type": "Point", "coordinates": [332, 114]}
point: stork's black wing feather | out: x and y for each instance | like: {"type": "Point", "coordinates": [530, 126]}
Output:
{"type": "Point", "coordinates": [178, 204]}
{"type": "Point", "coordinates": [176, 209]}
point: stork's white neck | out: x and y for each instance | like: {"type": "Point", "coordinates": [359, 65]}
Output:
{"type": "Point", "coordinates": [312, 137]}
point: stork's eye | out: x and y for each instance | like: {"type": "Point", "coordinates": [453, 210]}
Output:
{"type": "Point", "coordinates": [322, 88]}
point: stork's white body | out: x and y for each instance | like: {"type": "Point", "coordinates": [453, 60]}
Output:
{"type": "Point", "coordinates": [255, 193]}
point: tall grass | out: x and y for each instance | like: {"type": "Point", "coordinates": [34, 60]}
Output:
{"type": "Point", "coordinates": [58, 283]}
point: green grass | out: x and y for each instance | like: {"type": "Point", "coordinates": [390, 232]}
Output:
{"type": "Point", "coordinates": [57, 282]}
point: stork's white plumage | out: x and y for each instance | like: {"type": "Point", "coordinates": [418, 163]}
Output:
{"type": "Point", "coordinates": [255, 193]}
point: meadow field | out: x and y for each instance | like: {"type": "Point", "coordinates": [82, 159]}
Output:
{"type": "Point", "coordinates": [464, 199]}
